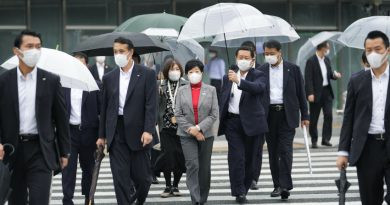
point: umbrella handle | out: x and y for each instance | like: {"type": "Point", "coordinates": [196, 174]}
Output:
{"type": "Point", "coordinates": [11, 147]}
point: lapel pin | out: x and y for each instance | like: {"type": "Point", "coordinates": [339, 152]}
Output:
{"type": "Point", "coordinates": [138, 75]}
{"type": "Point", "coordinates": [43, 78]}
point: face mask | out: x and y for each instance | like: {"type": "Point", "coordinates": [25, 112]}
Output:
{"type": "Point", "coordinates": [31, 57]}
{"type": "Point", "coordinates": [195, 78]}
{"type": "Point", "coordinates": [244, 65]}
{"type": "Point", "coordinates": [366, 68]}
{"type": "Point", "coordinates": [174, 75]}
{"type": "Point", "coordinates": [121, 60]}
{"type": "Point", "coordinates": [212, 55]}
{"type": "Point", "coordinates": [376, 60]}
{"type": "Point", "coordinates": [100, 59]}
{"type": "Point", "coordinates": [327, 52]}
{"type": "Point", "coordinates": [271, 59]}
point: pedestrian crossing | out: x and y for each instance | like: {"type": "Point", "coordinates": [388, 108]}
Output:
{"type": "Point", "coordinates": [318, 188]}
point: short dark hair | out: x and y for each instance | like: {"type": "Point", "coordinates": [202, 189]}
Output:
{"type": "Point", "coordinates": [246, 48]}
{"type": "Point", "coordinates": [168, 65]}
{"type": "Point", "coordinates": [137, 56]}
{"type": "Point", "coordinates": [81, 55]}
{"type": "Point", "coordinates": [377, 34]}
{"type": "Point", "coordinates": [322, 45]}
{"type": "Point", "coordinates": [364, 58]}
{"type": "Point", "coordinates": [249, 44]}
{"type": "Point", "coordinates": [273, 44]}
{"type": "Point", "coordinates": [122, 40]}
{"type": "Point", "coordinates": [19, 38]}
{"type": "Point", "coordinates": [192, 64]}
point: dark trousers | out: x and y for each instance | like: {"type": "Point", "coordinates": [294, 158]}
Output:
{"type": "Point", "coordinates": [130, 169]}
{"type": "Point", "coordinates": [373, 166]}
{"type": "Point", "coordinates": [30, 173]}
{"type": "Point", "coordinates": [259, 160]}
{"type": "Point", "coordinates": [242, 156]}
{"type": "Point", "coordinates": [82, 149]}
{"type": "Point", "coordinates": [325, 103]}
{"type": "Point", "coordinates": [280, 148]}
{"type": "Point", "coordinates": [217, 83]}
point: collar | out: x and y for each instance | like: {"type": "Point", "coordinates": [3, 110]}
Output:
{"type": "Point", "coordinates": [100, 65]}
{"type": "Point", "coordinates": [32, 74]}
{"type": "Point", "coordinates": [385, 74]}
{"type": "Point", "coordinates": [196, 85]}
{"type": "Point", "coordinates": [128, 72]}
{"type": "Point", "coordinates": [278, 67]}
{"type": "Point", "coordinates": [319, 58]}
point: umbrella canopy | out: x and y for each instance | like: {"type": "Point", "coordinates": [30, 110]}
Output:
{"type": "Point", "coordinates": [72, 72]}
{"type": "Point", "coordinates": [99, 155]}
{"type": "Point", "coordinates": [356, 33]}
{"type": "Point", "coordinates": [281, 31]}
{"type": "Point", "coordinates": [308, 49]}
{"type": "Point", "coordinates": [101, 45]}
{"type": "Point", "coordinates": [161, 32]}
{"type": "Point", "coordinates": [159, 20]}
{"type": "Point", "coordinates": [342, 186]}
{"type": "Point", "coordinates": [5, 175]}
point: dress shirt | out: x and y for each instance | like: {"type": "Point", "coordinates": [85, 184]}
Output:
{"type": "Point", "coordinates": [100, 69]}
{"type": "Point", "coordinates": [195, 92]}
{"type": "Point", "coordinates": [27, 86]}
{"type": "Point", "coordinates": [76, 97]}
{"type": "Point", "coordinates": [235, 96]}
{"type": "Point", "coordinates": [324, 71]}
{"type": "Point", "coordinates": [124, 80]}
{"type": "Point", "coordinates": [215, 69]}
{"type": "Point", "coordinates": [276, 83]}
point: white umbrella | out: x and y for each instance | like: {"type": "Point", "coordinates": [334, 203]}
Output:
{"type": "Point", "coordinates": [308, 49]}
{"type": "Point", "coordinates": [281, 31]}
{"type": "Point", "coordinates": [161, 32]}
{"type": "Point", "coordinates": [72, 72]}
{"type": "Point", "coordinates": [355, 34]}
{"type": "Point", "coordinates": [307, 148]}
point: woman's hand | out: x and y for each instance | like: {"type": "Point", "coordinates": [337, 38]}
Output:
{"type": "Point", "coordinates": [193, 131]}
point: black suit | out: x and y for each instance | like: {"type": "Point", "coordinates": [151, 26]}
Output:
{"type": "Point", "coordinates": [95, 72]}
{"type": "Point", "coordinates": [83, 144]}
{"type": "Point", "coordinates": [282, 123]}
{"type": "Point", "coordinates": [130, 161]}
{"type": "Point", "coordinates": [370, 156]}
{"type": "Point", "coordinates": [323, 97]}
{"type": "Point", "coordinates": [36, 159]}
{"type": "Point", "coordinates": [244, 132]}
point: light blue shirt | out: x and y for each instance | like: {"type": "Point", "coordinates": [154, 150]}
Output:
{"type": "Point", "coordinates": [215, 69]}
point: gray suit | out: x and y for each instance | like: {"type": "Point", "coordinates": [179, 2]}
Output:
{"type": "Point", "coordinates": [197, 154]}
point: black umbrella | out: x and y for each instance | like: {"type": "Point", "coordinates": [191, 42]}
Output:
{"type": "Point", "coordinates": [342, 186]}
{"type": "Point", "coordinates": [5, 175]}
{"type": "Point", "coordinates": [99, 155]}
{"type": "Point", "coordinates": [101, 45]}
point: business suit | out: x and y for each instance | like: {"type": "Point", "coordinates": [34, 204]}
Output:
{"type": "Point", "coordinates": [197, 153]}
{"type": "Point", "coordinates": [129, 160]}
{"type": "Point", "coordinates": [282, 122]}
{"type": "Point", "coordinates": [83, 144]}
{"type": "Point", "coordinates": [34, 160]}
{"type": "Point", "coordinates": [323, 97]}
{"type": "Point", "coordinates": [370, 156]}
{"type": "Point", "coordinates": [95, 72]}
{"type": "Point", "coordinates": [244, 132]}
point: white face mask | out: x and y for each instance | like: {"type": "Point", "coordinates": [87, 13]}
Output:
{"type": "Point", "coordinates": [327, 52]}
{"type": "Point", "coordinates": [376, 60]}
{"type": "Point", "coordinates": [244, 65]}
{"type": "Point", "coordinates": [195, 78]}
{"type": "Point", "coordinates": [174, 75]}
{"type": "Point", "coordinates": [121, 60]}
{"type": "Point", "coordinates": [100, 59]}
{"type": "Point", "coordinates": [212, 55]}
{"type": "Point", "coordinates": [271, 59]}
{"type": "Point", "coordinates": [31, 57]}
{"type": "Point", "coordinates": [366, 68]}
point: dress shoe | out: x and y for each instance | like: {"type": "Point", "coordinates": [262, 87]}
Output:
{"type": "Point", "coordinates": [276, 192]}
{"type": "Point", "coordinates": [241, 199]}
{"type": "Point", "coordinates": [326, 143]}
{"type": "Point", "coordinates": [87, 202]}
{"type": "Point", "coordinates": [155, 180]}
{"type": "Point", "coordinates": [284, 194]}
{"type": "Point", "coordinates": [254, 185]}
{"type": "Point", "coordinates": [314, 145]}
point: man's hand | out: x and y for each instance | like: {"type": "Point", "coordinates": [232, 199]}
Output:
{"type": "Point", "coordinates": [146, 138]}
{"type": "Point", "coordinates": [64, 162]}
{"type": "Point", "coordinates": [193, 131]}
{"type": "Point", "coordinates": [200, 137]}
{"type": "Point", "coordinates": [100, 142]}
{"type": "Point", "coordinates": [310, 98]}
{"type": "Point", "coordinates": [1, 152]}
{"type": "Point", "coordinates": [233, 76]}
{"type": "Point", "coordinates": [305, 123]}
{"type": "Point", "coordinates": [337, 74]}
{"type": "Point", "coordinates": [342, 162]}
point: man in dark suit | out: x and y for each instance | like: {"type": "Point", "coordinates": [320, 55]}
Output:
{"type": "Point", "coordinates": [100, 68]}
{"type": "Point", "coordinates": [127, 122]}
{"type": "Point", "coordinates": [83, 113]}
{"type": "Point", "coordinates": [364, 138]}
{"type": "Point", "coordinates": [318, 73]}
{"type": "Point", "coordinates": [242, 120]}
{"type": "Point", "coordinates": [285, 97]}
{"type": "Point", "coordinates": [32, 118]}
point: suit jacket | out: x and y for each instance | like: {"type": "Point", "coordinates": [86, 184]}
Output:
{"type": "Point", "coordinates": [314, 79]}
{"type": "Point", "coordinates": [139, 112]}
{"type": "Point", "coordinates": [52, 120]}
{"type": "Point", "coordinates": [294, 97]}
{"type": "Point", "coordinates": [357, 116]}
{"type": "Point", "coordinates": [207, 110]}
{"type": "Point", "coordinates": [252, 113]}
{"type": "Point", "coordinates": [95, 72]}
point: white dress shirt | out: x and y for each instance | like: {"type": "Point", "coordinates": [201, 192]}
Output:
{"type": "Point", "coordinates": [324, 71]}
{"type": "Point", "coordinates": [100, 69]}
{"type": "Point", "coordinates": [27, 87]}
{"type": "Point", "coordinates": [235, 96]}
{"type": "Point", "coordinates": [276, 84]}
{"type": "Point", "coordinates": [124, 80]}
{"type": "Point", "coordinates": [76, 97]}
